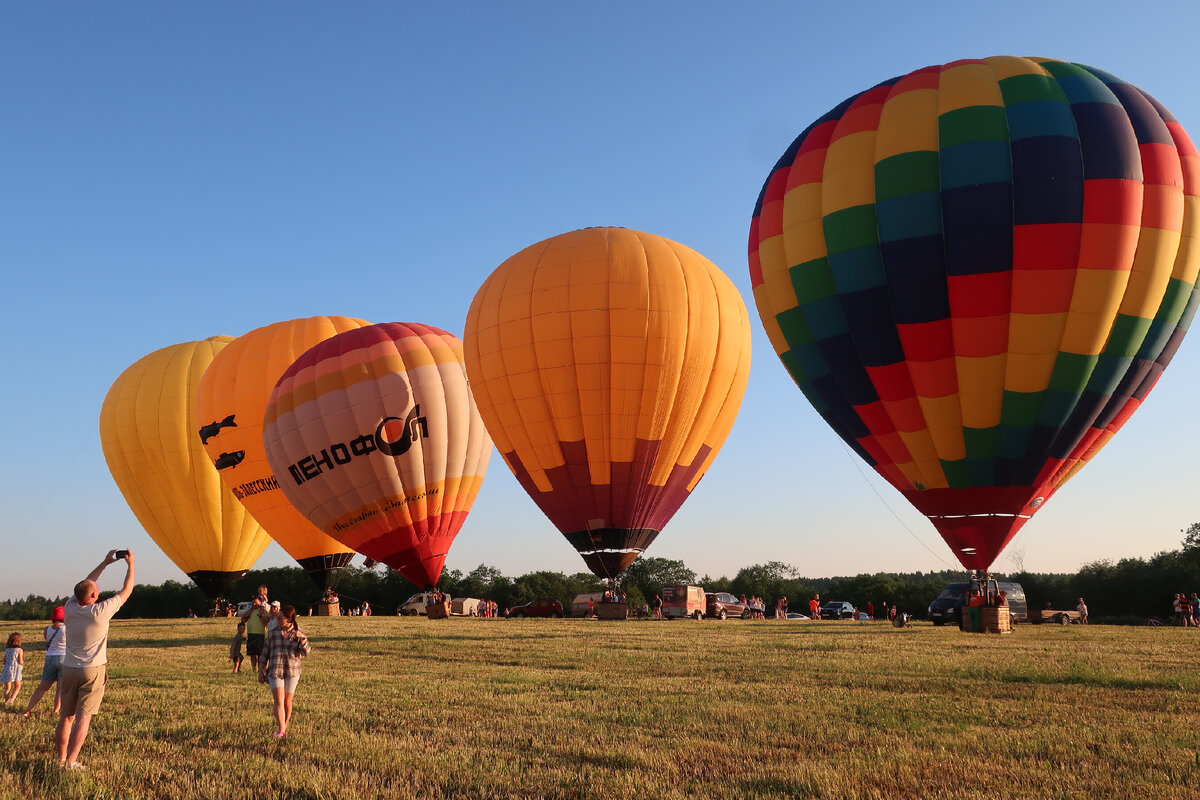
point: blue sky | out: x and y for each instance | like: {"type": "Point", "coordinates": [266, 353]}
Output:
{"type": "Point", "coordinates": [174, 171]}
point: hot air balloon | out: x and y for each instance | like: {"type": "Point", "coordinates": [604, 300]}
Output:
{"type": "Point", "coordinates": [608, 366]}
{"type": "Point", "coordinates": [159, 466]}
{"type": "Point", "coordinates": [376, 440]}
{"type": "Point", "coordinates": [975, 273]}
{"type": "Point", "coordinates": [230, 403]}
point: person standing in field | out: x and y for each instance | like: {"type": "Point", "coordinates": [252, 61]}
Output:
{"type": "Point", "coordinates": [256, 618]}
{"type": "Point", "coordinates": [1181, 618]}
{"type": "Point", "coordinates": [1082, 609]}
{"type": "Point", "coordinates": [814, 607]}
{"type": "Point", "coordinates": [85, 664]}
{"type": "Point", "coordinates": [56, 649]}
{"type": "Point", "coordinates": [14, 665]}
{"type": "Point", "coordinates": [235, 647]}
{"type": "Point", "coordinates": [279, 666]}
{"type": "Point", "coordinates": [1195, 601]}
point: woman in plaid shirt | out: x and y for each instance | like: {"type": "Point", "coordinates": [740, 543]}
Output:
{"type": "Point", "coordinates": [279, 664]}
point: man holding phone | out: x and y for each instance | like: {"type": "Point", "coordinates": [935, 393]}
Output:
{"type": "Point", "coordinates": [256, 618]}
{"type": "Point", "coordinates": [85, 663]}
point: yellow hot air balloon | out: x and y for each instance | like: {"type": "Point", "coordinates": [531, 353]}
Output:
{"type": "Point", "coordinates": [230, 405]}
{"type": "Point", "coordinates": [152, 451]}
{"type": "Point", "coordinates": [608, 366]}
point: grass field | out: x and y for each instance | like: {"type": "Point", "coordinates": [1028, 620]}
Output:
{"type": "Point", "coordinates": [391, 707]}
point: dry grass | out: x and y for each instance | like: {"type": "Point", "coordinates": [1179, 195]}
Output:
{"type": "Point", "coordinates": [394, 707]}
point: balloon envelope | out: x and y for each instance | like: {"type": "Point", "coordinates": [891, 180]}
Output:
{"type": "Point", "coordinates": [975, 273]}
{"type": "Point", "coordinates": [609, 366]}
{"type": "Point", "coordinates": [162, 471]}
{"type": "Point", "coordinates": [377, 441]}
{"type": "Point", "coordinates": [230, 404]}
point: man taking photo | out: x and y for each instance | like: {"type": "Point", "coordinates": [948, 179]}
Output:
{"type": "Point", "coordinates": [84, 666]}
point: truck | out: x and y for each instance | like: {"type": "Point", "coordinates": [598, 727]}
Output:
{"type": "Point", "coordinates": [683, 601]}
{"type": "Point", "coordinates": [466, 607]}
{"type": "Point", "coordinates": [579, 606]}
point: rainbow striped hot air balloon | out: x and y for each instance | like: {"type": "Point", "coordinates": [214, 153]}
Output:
{"type": "Point", "coordinates": [975, 273]}
{"type": "Point", "coordinates": [377, 441]}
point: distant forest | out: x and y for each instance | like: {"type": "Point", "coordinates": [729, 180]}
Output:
{"type": "Point", "coordinates": [1128, 591]}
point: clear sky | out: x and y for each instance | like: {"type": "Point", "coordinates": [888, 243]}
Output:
{"type": "Point", "coordinates": [172, 171]}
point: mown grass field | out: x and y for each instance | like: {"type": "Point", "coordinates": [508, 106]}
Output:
{"type": "Point", "coordinates": [391, 707]}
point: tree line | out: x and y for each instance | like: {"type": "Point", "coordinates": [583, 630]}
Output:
{"type": "Point", "coordinates": [1130, 590]}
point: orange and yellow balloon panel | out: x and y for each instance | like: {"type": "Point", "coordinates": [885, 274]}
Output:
{"type": "Point", "coordinates": [609, 366]}
{"type": "Point", "coordinates": [230, 404]}
{"type": "Point", "coordinates": [976, 272]}
{"type": "Point", "coordinates": [164, 474]}
{"type": "Point", "coordinates": [376, 439]}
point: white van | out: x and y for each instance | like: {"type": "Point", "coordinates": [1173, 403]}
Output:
{"type": "Point", "coordinates": [415, 605]}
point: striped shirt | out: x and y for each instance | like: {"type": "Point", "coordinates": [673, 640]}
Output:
{"type": "Point", "coordinates": [282, 652]}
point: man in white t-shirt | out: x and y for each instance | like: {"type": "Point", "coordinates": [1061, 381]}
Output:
{"type": "Point", "coordinates": [84, 672]}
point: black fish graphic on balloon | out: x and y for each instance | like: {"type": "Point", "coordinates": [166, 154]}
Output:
{"type": "Point", "coordinates": [213, 428]}
{"type": "Point", "coordinates": [226, 460]}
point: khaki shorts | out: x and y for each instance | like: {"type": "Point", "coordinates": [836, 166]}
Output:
{"type": "Point", "coordinates": [82, 689]}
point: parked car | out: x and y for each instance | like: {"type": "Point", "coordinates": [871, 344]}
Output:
{"type": "Point", "coordinates": [837, 609]}
{"type": "Point", "coordinates": [723, 605]}
{"type": "Point", "coordinates": [417, 604]}
{"type": "Point", "coordinates": [538, 608]}
{"type": "Point", "coordinates": [684, 601]}
{"type": "Point", "coordinates": [795, 616]}
{"type": "Point", "coordinates": [945, 607]}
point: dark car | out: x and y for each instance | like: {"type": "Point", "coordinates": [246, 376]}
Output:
{"type": "Point", "coordinates": [538, 608]}
{"type": "Point", "coordinates": [837, 609]}
{"type": "Point", "coordinates": [946, 606]}
{"type": "Point", "coordinates": [722, 605]}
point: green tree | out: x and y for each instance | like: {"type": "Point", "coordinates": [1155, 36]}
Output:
{"type": "Point", "coordinates": [1191, 536]}
{"type": "Point", "coordinates": [647, 576]}
{"type": "Point", "coordinates": [771, 581]}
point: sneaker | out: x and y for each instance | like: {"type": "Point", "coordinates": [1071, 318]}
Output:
{"type": "Point", "coordinates": [74, 765]}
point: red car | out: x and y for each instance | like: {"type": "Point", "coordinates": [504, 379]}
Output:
{"type": "Point", "coordinates": [538, 608]}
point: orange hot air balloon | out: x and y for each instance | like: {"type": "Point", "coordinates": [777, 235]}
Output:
{"type": "Point", "coordinates": [230, 404]}
{"type": "Point", "coordinates": [155, 458]}
{"type": "Point", "coordinates": [609, 366]}
{"type": "Point", "coordinates": [376, 439]}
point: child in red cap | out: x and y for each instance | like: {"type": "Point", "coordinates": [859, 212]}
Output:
{"type": "Point", "coordinates": [56, 648]}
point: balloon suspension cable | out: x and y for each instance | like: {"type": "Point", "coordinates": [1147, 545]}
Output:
{"type": "Point", "coordinates": [857, 462]}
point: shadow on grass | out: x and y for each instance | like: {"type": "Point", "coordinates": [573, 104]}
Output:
{"type": "Point", "coordinates": [1086, 676]}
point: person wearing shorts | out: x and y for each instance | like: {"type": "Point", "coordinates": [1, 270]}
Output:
{"type": "Point", "coordinates": [85, 671]}
{"type": "Point", "coordinates": [279, 667]}
{"type": "Point", "coordinates": [256, 618]}
{"type": "Point", "coordinates": [55, 635]}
